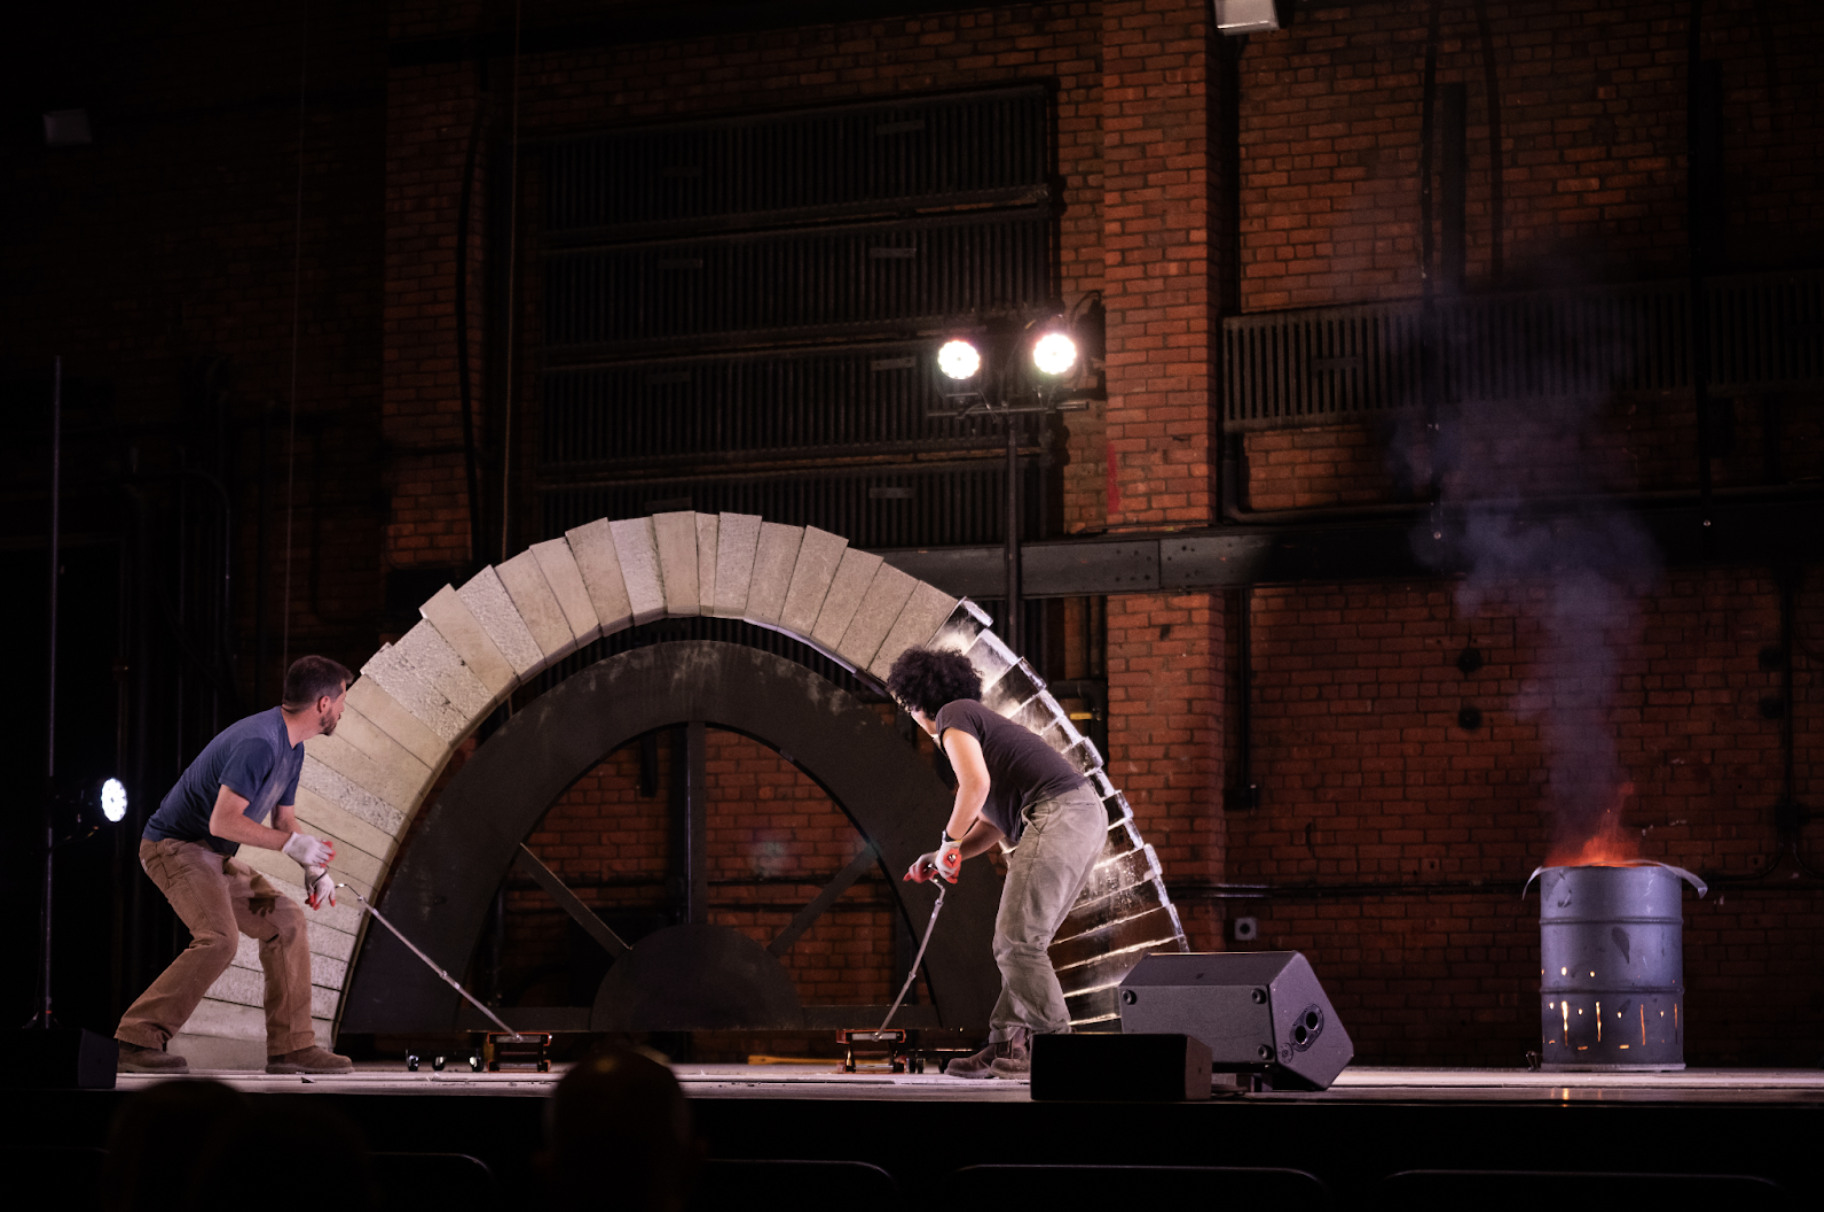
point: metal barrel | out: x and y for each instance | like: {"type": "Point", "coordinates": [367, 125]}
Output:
{"type": "Point", "coordinates": [1612, 977]}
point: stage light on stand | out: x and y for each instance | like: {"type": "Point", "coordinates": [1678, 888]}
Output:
{"type": "Point", "coordinates": [113, 796]}
{"type": "Point", "coordinates": [959, 359]}
{"type": "Point", "coordinates": [1054, 354]}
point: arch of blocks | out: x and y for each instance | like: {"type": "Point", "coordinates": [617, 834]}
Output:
{"type": "Point", "coordinates": [417, 700]}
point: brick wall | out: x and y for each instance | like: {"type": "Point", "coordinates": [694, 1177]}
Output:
{"type": "Point", "coordinates": [1156, 248]}
{"type": "Point", "coordinates": [1593, 143]}
{"type": "Point", "coordinates": [1401, 837]}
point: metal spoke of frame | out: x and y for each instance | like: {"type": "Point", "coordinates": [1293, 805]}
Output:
{"type": "Point", "coordinates": [585, 917]}
{"type": "Point", "coordinates": [690, 815]}
{"type": "Point", "coordinates": [857, 868]}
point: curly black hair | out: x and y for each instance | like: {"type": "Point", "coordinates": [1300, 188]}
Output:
{"type": "Point", "coordinates": [925, 680]}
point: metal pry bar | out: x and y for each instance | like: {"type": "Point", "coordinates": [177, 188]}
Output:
{"type": "Point", "coordinates": [916, 960]}
{"type": "Point", "coordinates": [430, 963]}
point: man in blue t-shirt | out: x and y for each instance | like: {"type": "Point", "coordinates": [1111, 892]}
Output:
{"type": "Point", "coordinates": [247, 774]}
{"type": "Point", "coordinates": [1012, 790]}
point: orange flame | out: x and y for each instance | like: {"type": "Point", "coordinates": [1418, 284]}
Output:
{"type": "Point", "coordinates": [1608, 845]}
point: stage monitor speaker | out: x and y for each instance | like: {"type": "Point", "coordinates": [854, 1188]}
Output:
{"type": "Point", "coordinates": [1120, 1068]}
{"type": "Point", "coordinates": [1261, 1013]}
{"type": "Point", "coordinates": [60, 1058]}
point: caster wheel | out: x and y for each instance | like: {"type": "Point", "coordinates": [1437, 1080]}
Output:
{"type": "Point", "coordinates": [437, 1063]}
{"type": "Point", "coordinates": [475, 1062]}
{"type": "Point", "coordinates": [411, 1063]}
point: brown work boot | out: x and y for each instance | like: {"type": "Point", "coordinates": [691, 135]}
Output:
{"type": "Point", "coordinates": [1016, 1061]}
{"type": "Point", "coordinates": [981, 1064]}
{"type": "Point", "coordinates": [137, 1059]}
{"type": "Point", "coordinates": [309, 1060]}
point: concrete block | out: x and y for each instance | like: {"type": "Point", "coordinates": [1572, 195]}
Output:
{"type": "Point", "coordinates": [849, 575]}
{"type": "Point", "coordinates": [465, 635]}
{"type": "Point", "coordinates": [392, 786]}
{"type": "Point", "coordinates": [959, 631]}
{"type": "Point", "coordinates": [676, 537]}
{"type": "Point", "coordinates": [537, 605]}
{"type": "Point", "coordinates": [324, 817]}
{"type": "Point", "coordinates": [708, 524]}
{"type": "Point", "coordinates": [217, 1020]}
{"type": "Point", "coordinates": [248, 988]}
{"type": "Point", "coordinates": [991, 658]}
{"type": "Point", "coordinates": [925, 611]}
{"type": "Point", "coordinates": [438, 666]}
{"type": "Point", "coordinates": [325, 782]}
{"type": "Point", "coordinates": [1013, 689]}
{"type": "Point", "coordinates": [1083, 756]}
{"type": "Point", "coordinates": [488, 600]}
{"type": "Point", "coordinates": [210, 1054]}
{"type": "Point", "coordinates": [1039, 714]}
{"type": "Point", "coordinates": [775, 559]}
{"type": "Point", "coordinates": [362, 736]}
{"type": "Point", "coordinates": [424, 701]}
{"type": "Point", "coordinates": [636, 543]}
{"type": "Point", "coordinates": [325, 973]}
{"type": "Point", "coordinates": [332, 931]}
{"type": "Point", "coordinates": [881, 604]}
{"type": "Point", "coordinates": [565, 578]}
{"type": "Point", "coordinates": [592, 545]}
{"type": "Point", "coordinates": [1062, 734]}
{"type": "Point", "coordinates": [737, 539]}
{"type": "Point", "coordinates": [818, 558]}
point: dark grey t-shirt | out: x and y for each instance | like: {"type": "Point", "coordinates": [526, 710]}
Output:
{"type": "Point", "coordinates": [254, 758]}
{"type": "Point", "coordinates": [1022, 769]}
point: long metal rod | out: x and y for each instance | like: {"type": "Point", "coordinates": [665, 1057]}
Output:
{"type": "Point", "coordinates": [431, 963]}
{"type": "Point", "coordinates": [917, 959]}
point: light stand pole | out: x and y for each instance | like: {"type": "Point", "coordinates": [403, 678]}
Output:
{"type": "Point", "coordinates": [1014, 613]}
{"type": "Point", "coordinates": [43, 1019]}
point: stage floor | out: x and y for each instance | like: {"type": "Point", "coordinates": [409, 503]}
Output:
{"type": "Point", "coordinates": [826, 1082]}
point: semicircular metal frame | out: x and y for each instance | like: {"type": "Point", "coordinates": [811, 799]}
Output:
{"type": "Point", "coordinates": [444, 884]}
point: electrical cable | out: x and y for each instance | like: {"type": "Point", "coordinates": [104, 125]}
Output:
{"type": "Point", "coordinates": [297, 287]}
{"type": "Point", "coordinates": [506, 429]}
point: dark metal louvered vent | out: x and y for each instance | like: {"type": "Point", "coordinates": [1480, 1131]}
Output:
{"type": "Point", "coordinates": [969, 148]}
{"type": "Point", "coordinates": [1323, 365]}
{"type": "Point", "coordinates": [749, 309]}
{"type": "Point", "coordinates": [881, 505]}
{"type": "Point", "coordinates": [805, 403]}
{"type": "Point", "coordinates": [779, 286]}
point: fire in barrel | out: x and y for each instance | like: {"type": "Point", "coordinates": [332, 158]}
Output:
{"type": "Point", "coordinates": [1612, 985]}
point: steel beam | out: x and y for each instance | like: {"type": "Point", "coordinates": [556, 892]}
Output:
{"type": "Point", "coordinates": [1390, 549]}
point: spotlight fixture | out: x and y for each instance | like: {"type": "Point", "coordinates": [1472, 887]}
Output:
{"type": "Point", "coordinates": [113, 797]}
{"type": "Point", "coordinates": [1054, 354]}
{"type": "Point", "coordinates": [959, 359]}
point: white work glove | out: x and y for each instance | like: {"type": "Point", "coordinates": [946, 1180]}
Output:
{"type": "Point", "coordinates": [922, 868]}
{"type": "Point", "coordinates": [307, 852]}
{"type": "Point", "coordinates": [949, 859]}
{"type": "Point", "coordinates": [321, 887]}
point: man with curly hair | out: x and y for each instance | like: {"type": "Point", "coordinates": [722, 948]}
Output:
{"type": "Point", "coordinates": [1013, 790]}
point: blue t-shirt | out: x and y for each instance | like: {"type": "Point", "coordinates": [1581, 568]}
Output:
{"type": "Point", "coordinates": [254, 758]}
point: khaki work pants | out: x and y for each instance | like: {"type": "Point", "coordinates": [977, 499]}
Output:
{"type": "Point", "coordinates": [1046, 873]}
{"type": "Point", "coordinates": [219, 898]}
